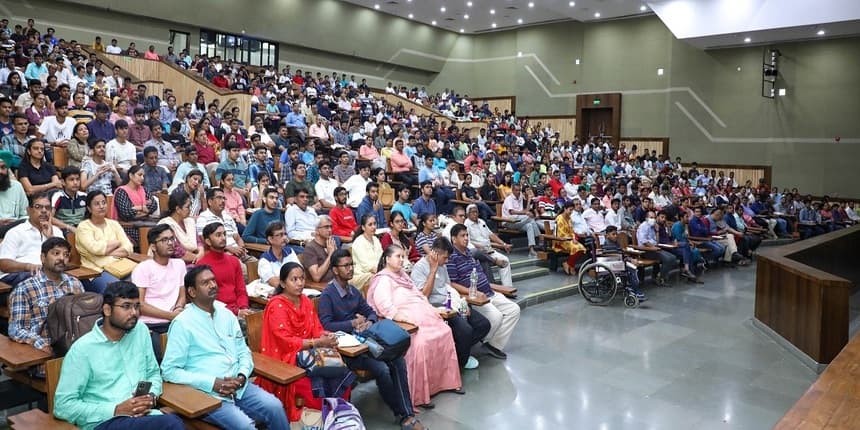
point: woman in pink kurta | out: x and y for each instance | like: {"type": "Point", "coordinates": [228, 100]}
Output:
{"type": "Point", "coordinates": [431, 361]}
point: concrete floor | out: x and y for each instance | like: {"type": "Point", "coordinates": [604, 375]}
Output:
{"type": "Point", "coordinates": [688, 358]}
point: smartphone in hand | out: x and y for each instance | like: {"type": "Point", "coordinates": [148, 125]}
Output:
{"type": "Point", "coordinates": [142, 388]}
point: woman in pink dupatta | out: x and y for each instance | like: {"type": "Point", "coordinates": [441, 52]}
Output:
{"type": "Point", "coordinates": [431, 361]}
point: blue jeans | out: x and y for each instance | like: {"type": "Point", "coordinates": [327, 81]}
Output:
{"type": "Point", "coordinates": [717, 250]}
{"type": "Point", "coordinates": [98, 284]}
{"type": "Point", "coordinates": [161, 422]}
{"type": "Point", "coordinates": [255, 404]}
{"type": "Point", "coordinates": [391, 381]}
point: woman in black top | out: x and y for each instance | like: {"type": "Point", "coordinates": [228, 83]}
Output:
{"type": "Point", "coordinates": [35, 174]}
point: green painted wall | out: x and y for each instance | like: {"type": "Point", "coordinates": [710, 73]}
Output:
{"type": "Point", "coordinates": [711, 111]}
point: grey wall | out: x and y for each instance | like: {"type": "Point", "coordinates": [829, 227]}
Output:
{"type": "Point", "coordinates": [711, 111]}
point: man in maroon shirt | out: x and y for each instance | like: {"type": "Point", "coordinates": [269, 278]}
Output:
{"type": "Point", "coordinates": [228, 271]}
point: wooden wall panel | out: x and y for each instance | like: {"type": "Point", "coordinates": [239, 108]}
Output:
{"type": "Point", "coordinates": [743, 173]}
{"type": "Point", "coordinates": [659, 144]}
{"type": "Point", "coordinates": [565, 125]}
{"type": "Point", "coordinates": [504, 103]}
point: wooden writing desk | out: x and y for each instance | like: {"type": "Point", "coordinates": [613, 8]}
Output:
{"type": "Point", "coordinates": [20, 355]}
{"type": "Point", "coordinates": [276, 370]}
{"type": "Point", "coordinates": [187, 401]}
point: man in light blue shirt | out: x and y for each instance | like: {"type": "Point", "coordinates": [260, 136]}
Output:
{"type": "Point", "coordinates": [97, 394]}
{"type": "Point", "coordinates": [207, 351]}
{"type": "Point", "coordinates": [295, 119]}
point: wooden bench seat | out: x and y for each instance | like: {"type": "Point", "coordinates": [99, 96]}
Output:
{"type": "Point", "coordinates": [36, 419]}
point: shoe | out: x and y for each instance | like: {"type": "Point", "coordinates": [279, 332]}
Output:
{"type": "Point", "coordinates": [412, 423]}
{"type": "Point", "coordinates": [566, 268]}
{"type": "Point", "coordinates": [495, 352]}
{"type": "Point", "coordinates": [459, 391]}
{"type": "Point", "coordinates": [428, 405]}
{"type": "Point", "coordinates": [471, 363]}
{"type": "Point", "coordinates": [533, 253]}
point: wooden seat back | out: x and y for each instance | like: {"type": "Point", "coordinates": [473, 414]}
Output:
{"type": "Point", "coordinates": [254, 323]}
{"type": "Point", "coordinates": [52, 378]}
{"type": "Point", "coordinates": [74, 255]}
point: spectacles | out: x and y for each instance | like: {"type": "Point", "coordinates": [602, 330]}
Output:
{"type": "Point", "coordinates": [170, 239]}
{"type": "Point", "coordinates": [41, 207]}
{"type": "Point", "coordinates": [324, 226]}
{"type": "Point", "coordinates": [128, 306]}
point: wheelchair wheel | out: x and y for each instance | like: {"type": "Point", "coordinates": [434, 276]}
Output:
{"type": "Point", "coordinates": [583, 264]}
{"type": "Point", "coordinates": [631, 301]}
{"type": "Point", "coordinates": [597, 284]}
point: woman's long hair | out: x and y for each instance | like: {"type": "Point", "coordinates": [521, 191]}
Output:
{"type": "Point", "coordinates": [402, 236]}
{"type": "Point", "coordinates": [285, 272]}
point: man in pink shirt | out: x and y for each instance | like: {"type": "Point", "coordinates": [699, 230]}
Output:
{"type": "Point", "coordinates": [160, 281]}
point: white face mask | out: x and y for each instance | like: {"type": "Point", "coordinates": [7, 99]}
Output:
{"type": "Point", "coordinates": [652, 221]}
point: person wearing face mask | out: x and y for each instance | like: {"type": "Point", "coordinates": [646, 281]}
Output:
{"type": "Point", "coordinates": [646, 239]}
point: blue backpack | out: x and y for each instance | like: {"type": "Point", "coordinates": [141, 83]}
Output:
{"type": "Point", "coordinates": [338, 414]}
{"type": "Point", "coordinates": [391, 337]}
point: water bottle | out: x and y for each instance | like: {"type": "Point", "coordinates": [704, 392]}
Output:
{"type": "Point", "coordinates": [375, 348]}
{"type": "Point", "coordinates": [473, 284]}
{"type": "Point", "coordinates": [448, 302]}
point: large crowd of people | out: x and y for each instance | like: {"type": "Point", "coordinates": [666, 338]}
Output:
{"type": "Point", "coordinates": [393, 212]}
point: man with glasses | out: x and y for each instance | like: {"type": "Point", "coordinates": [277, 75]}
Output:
{"type": "Point", "coordinates": [207, 351]}
{"type": "Point", "coordinates": [29, 302]}
{"type": "Point", "coordinates": [278, 254]}
{"type": "Point", "coordinates": [84, 399]}
{"type": "Point", "coordinates": [13, 200]}
{"type": "Point", "coordinates": [317, 255]}
{"type": "Point", "coordinates": [342, 216]}
{"type": "Point", "coordinates": [20, 252]}
{"type": "Point", "coordinates": [159, 280]}
{"type": "Point", "coordinates": [343, 308]}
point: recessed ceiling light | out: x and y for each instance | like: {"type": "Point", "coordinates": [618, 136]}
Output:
{"type": "Point", "coordinates": [492, 11]}
{"type": "Point", "coordinates": [820, 33]}
{"type": "Point", "coordinates": [531, 4]}
{"type": "Point", "coordinates": [643, 8]}
{"type": "Point", "coordinates": [747, 40]}
{"type": "Point", "coordinates": [376, 6]}
{"type": "Point", "coordinates": [411, 16]}
{"type": "Point", "coordinates": [660, 71]}
{"type": "Point", "coordinates": [462, 30]}
{"type": "Point", "coordinates": [469, 4]}
{"type": "Point", "coordinates": [519, 53]}
{"type": "Point", "coordinates": [739, 68]}
{"type": "Point", "coordinates": [520, 21]}
{"type": "Point", "coordinates": [466, 16]}
{"type": "Point", "coordinates": [597, 14]}
{"type": "Point", "coordinates": [571, 4]}
{"type": "Point", "coordinates": [433, 23]}
{"type": "Point", "coordinates": [493, 25]}
{"type": "Point", "coordinates": [442, 9]}
{"type": "Point", "coordinates": [576, 61]}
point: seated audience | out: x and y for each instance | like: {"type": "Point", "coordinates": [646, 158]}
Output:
{"type": "Point", "coordinates": [13, 200]}
{"type": "Point", "coordinates": [370, 205]}
{"type": "Point", "coordinates": [190, 164]}
{"type": "Point", "coordinates": [513, 208]}
{"type": "Point", "coordinates": [612, 246]}
{"type": "Point", "coordinates": [426, 233]}
{"type": "Point", "coordinates": [342, 216]}
{"type": "Point", "coordinates": [134, 205]}
{"type": "Point", "coordinates": [100, 241]}
{"type": "Point", "coordinates": [403, 206]}
{"type": "Point", "coordinates": [215, 213]}
{"type": "Point", "coordinates": [398, 236]}
{"type": "Point", "coordinates": [255, 231]}
{"type": "Point", "coordinates": [179, 220]}
{"type": "Point", "coordinates": [234, 202]}
{"type": "Point", "coordinates": [357, 186]}
{"type": "Point", "coordinates": [343, 308]}
{"type": "Point", "coordinates": [120, 151]}
{"type": "Point", "coordinates": [318, 252]}
{"type": "Point", "coordinates": [96, 172]}
{"type": "Point", "coordinates": [501, 311]}
{"type": "Point", "coordinates": [35, 174]}
{"type": "Point", "coordinates": [20, 251]}
{"type": "Point", "coordinates": [646, 237]}
{"type": "Point", "coordinates": [300, 218]}
{"type": "Point", "coordinates": [366, 251]}
{"type": "Point", "coordinates": [159, 280]}
{"type": "Point", "coordinates": [196, 191]}
{"type": "Point", "coordinates": [278, 254]}
{"type": "Point", "coordinates": [207, 351]}
{"type": "Point", "coordinates": [228, 272]}
{"type": "Point", "coordinates": [155, 177]}
{"type": "Point", "coordinates": [29, 301]}
{"type": "Point", "coordinates": [93, 395]}
{"type": "Point", "coordinates": [291, 331]}
{"type": "Point", "coordinates": [482, 239]}
{"type": "Point", "coordinates": [573, 249]}
{"type": "Point", "coordinates": [430, 276]}
{"type": "Point", "coordinates": [69, 203]}
{"type": "Point", "coordinates": [432, 356]}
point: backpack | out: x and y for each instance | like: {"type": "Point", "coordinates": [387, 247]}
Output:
{"type": "Point", "coordinates": [391, 337]}
{"type": "Point", "coordinates": [71, 317]}
{"type": "Point", "coordinates": [338, 414]}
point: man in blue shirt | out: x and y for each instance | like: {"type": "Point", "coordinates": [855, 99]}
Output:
{"type": "Point", "coordinates": [93, 395]}
{"type": "Point", "coordinates": [343, 308]}
{"type": "Point", "coordinates": [206, 350]}
{"type": "Point", "coordinates": [36, 69]}
{"type": "Point", "coordinates": [699, 226]}
{"type": "Point", "coordinates": [255, 231]}
{"type": "Point", "coordinates": [296, 120]}
{"type": "Point", "coordinates": [424, 203]}
{"type": "Point", "coordinates": [100, 127]}
{"type": "Point", "coordinates": [371, 205]}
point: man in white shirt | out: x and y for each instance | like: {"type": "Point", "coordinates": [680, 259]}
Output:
{"type": "Point", "coordinates": [594, 218]}
{"type": "Point", "coordinates": [113, 48]}
{"type": "Point", "coordinates": [483, 239]}
{"type": "Point", "coordinates": [120, 151]}
{"type": "Point", "coordinates": [325, 186]}
{"type": "Point", "coordinates": [356, 186]}
{"type": "Point", "coordinates": [612, 217]}
{"type": "Point", "coordinates": [301, 219]}
{"type": "Point", "coordinates": [21, 249]}
{"type": "Point", "coordinates": [513, 209]}
{"type": "Point", "coordinates": [580, 226]}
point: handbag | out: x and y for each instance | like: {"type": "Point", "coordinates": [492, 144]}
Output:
{"type": "Point", "coordinates": [314, 358]}
{"type": "Point", "coordinates": [391, 337]}
{"type": "Point", "coordinates": [386, 196]}
{"type": "Point", "coordinates": [121, 267]}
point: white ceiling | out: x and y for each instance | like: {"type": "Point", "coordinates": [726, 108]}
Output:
{"type": "Point", "coordinates": [705, 24]}
{"type": "Point", "coordinates": [507, 12]}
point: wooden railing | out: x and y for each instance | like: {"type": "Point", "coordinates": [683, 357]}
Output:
{"type": "Point", "coordinates": [184, 83]}
{"type": "Point", "coordinates": [394, 99]}
{"type": "Point", "coordinates": [659, 144]}
{"type": "Point", "coordinates": [802, 291]}
{"type": "Point", "coordinates": [565, 125]}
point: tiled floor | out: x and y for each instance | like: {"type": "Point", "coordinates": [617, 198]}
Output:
{"type": "Point", "coordinates": [689, 358]}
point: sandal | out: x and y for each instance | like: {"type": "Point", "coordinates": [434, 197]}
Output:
{"type": "Point", "coordinates": [412, 423]}
{"type": "Point", "coordinates": [428, 405]}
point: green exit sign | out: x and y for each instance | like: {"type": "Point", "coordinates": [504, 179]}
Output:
{"type": "Point", "coordinates": [595, 102]}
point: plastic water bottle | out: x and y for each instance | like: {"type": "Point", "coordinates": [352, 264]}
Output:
{"type": "Point", "coordinates": [473, 284]}
{"type": "Point", "coordinates": [448, 301]}
{"type": "Point", "coordinates": [375, 348]}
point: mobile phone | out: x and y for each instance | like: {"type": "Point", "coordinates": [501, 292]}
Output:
{"type": "Point", "coordinates": [142, 388]}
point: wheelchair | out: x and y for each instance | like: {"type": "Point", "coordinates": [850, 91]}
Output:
{"type": "Point", "coordinates": [601, 276]}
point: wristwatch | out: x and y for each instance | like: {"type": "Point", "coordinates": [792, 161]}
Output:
{"type": "Point", "coordinates": [154, 398]}
{"type": "Point", "coordinates": [244, 379]}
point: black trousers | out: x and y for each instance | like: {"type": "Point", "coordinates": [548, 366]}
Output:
{"type": "Point", "coordinates": [467, 332]}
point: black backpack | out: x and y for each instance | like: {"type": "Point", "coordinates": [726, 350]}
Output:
{"type": "Point", "coordinates": [71, 317]}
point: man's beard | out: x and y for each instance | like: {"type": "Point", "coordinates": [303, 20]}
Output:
{"type": "Point", "coordinates": [5, 182]}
